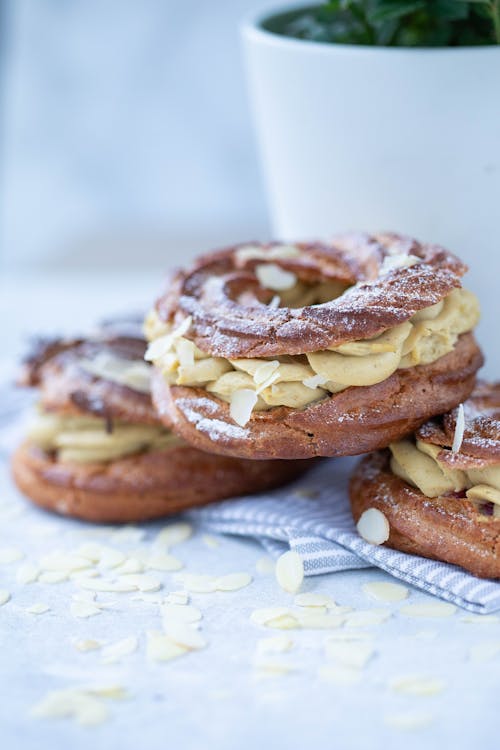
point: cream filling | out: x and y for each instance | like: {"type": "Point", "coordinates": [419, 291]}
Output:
{"type": "Point", "coordinates": [419, 465]}
{"type": "Point", "coordinates": [133, 373]}
{"type": "Point", "coordinates": [299, 380]}
{"type": "Point", "coordinates": [82, 439]}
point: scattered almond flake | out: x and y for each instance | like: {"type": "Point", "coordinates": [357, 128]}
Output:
{"type": "Point", "coordinates": [177, 597]}
{"type": "Point", "coordinates": [64, 562]}
{"type": "Point", "coordinates": [485, 651]}
{"type": "Point", "coordinates": [272, 276]}
{"type": "Point", "coordinates": [350, 653]}
{"type": "Point", "coordinates": [399, 260]}
{"type": "Point", "coordinates": [314, 381]}
{"type": "Point", "coordinates": [373, 526]}
{"type": "Point", "coordinates": [53, 576]}
{"type": "Point", "coordinates": [141, 581]}
{"type": "Point", "coordinates": [78, 575]}
{"type": "Point", "coordinates": [113, 691]}
{"type": "Point", "coordinates": [84, 609]}
{"type": "Point", "coordinates": [241, 405]}
{"type": "Point", "coordinates": [103, 584]}
{"type": "Point", "coordinates": [265, 565]}
{"type": "Point", "coordinates": [90, 550]}
{"type": "Point", "coordinates": [162, 345]}
{"type": "Point", "coordinates": [284, 622]}
{"type": "Point", "coordinates": [409, 721]}
{"type": "Point", "coordinates": [386, 592]}
{"type": "Point", "coordinates": [182, 612]}
{"type": "Point", "coordinates": [264, 615]}
{"type": "Point", "coordinates": [185, 352]}
{"type": "Point", "coordinates": [290, 571]}
{"type": "Point", "coordinates": [275, 302]}
{"type": "Point", "coordinates": [339, 674]}
{"type": "Point", "coordinates": [4, 597]}
{"type": "Point", "coordinates": [162, 648]}
{"type": "Point", "coordinates": [310, 599]}
{"type": "Point", "coordinates": [362, 618]}
{"type": "Point", "coordinates": [128, 533]}
{"type": "Point", "coordinates": [318, 621]}
{"type": "Point", "coordinates": [459, 430]}
{"type": "Point", "coordinates": [111, 557]}
{"type": "Point", "coordinates": [480, 619]}
{"type": "Point", "coordinates": [273, 378]}
{"type": "Point", "coordinates": [38, 608]}
{"type": "Point", "coordinates": [432, 609]}
{"type": "Point", "coordinates": [269, 667]}
{"type": "Point", "coordinates": [10, 555]}
{"type": "Point", "coordinates": [183, 634]}
{"type": "Point", "coordinates": [163, 561]}
{"type": "Point", "coordinates": [87, 644]}
{"type": "Point", "coordinates": [114, 652]}
{"type": "Point", "coordinates": [199, 584]}
{"type": "Point", "coordinates": [174, 533]}
{"type": "Point", "coordinates": [265, 370]}
{"type": "Point", "coordinates": [232, 581]}
{"type": "Point", "coordinates": [27, 573]}
{"type": "Point", "coordinates": [131, 565]}
{"type": "Point", "coordinates": [417, 685]}
{"type": "Point", "coordinates": [210, 541]}
{"type": "Point", "coordinates": [86, 709]}
{"type": "Point", "coordinates": [276, 644]}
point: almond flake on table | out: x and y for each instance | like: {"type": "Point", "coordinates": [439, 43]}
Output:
{"type": "Point", "coordinates": [4, 597]}
{"type": "Point", "coordinates": [184, 635]}
{"type": "Point", "coordinates": [210, 541]}
{"type": "Point", "coordinates": [318, 620]}
{"type": "Point", "coordinates": [284, 622]}
{"type": "Point", "coordinates": [87, 644]}
{"type": "Point", "coordinates": [177, 597]}
{"type": "Point", "coordinates": [131, 565]}
{"type": "Point", "coordinates": [349, 653]}
{"type": "Point", "coordinates": [160, 647]}
{"type": "Point", "coordinates": [164, 562]}
{"type": "Point", "coordinates": [290, 571]}
{"type": "Point", "coordinates": [84, 609]}
{"type": "Point", "coordinates": [386, 592]}
{"type": "Point", "coordinates": [10, 555]}
{"type": "Point", "coordinates": [174, 533]}
{"type": "Point", "coordinates": [485, 651]}
{"type": "Point", "coordinates": [313, 600]}
{"type": "Point", "coordinates": [276, 644]}
{"type": "Point", "coordinates": [38, 608]}
{"type": "Point", "coordinates": [232, 581]}
{"type": "Point", "coordinates": [53, 576]}
{"type": "Point", "coordinates": [431, 609]}
{"type": "Point", "coordinates": [64, 562]}
{"type": "Point", "coordinates": [182, 612]}
{"type": "Point", "coordinates": [141, 581]}
{"type": "Point", "coordinates": [113, 652]}
{"type": "Point", "coordinates": [27, 573]}
{"type": "Point", "coordinates": [417, 685]}
{"type": "Point", "coordinates": [86, 709]}
{"type": "Point", "coordinates": [409, 721]}
{"type": "Point", "coordinates": [264, 615]}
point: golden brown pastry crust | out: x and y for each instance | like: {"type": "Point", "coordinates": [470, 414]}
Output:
{"type": "Point", "coordinates": [230, 313]}
{"type": "Point", "coordinates": [451, 529]}
{"type": "Point", "coordinates": [66, 388]}
{"type": "Point", "coordinates": [354, 421]}
{"type": "Point", "coordinates": [143, 486]}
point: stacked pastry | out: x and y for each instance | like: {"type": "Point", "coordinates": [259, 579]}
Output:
{"type": "Point", "coordinates": [96, 448]}
{"type": "Point", "coordinates": [263, 353]}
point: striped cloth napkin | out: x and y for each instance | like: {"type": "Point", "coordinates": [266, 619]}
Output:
{"type": "Point", "coordinates": [313, 517]}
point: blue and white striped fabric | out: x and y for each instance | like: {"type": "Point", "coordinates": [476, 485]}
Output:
{"type": "Point", "coordinates": [313, 518]}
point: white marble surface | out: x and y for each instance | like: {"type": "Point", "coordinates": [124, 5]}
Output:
{"type": "Point", "coordinates": [214, 698]}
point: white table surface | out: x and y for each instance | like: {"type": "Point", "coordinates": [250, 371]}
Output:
{"type": "Point", "coordinates": [216, 697]}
